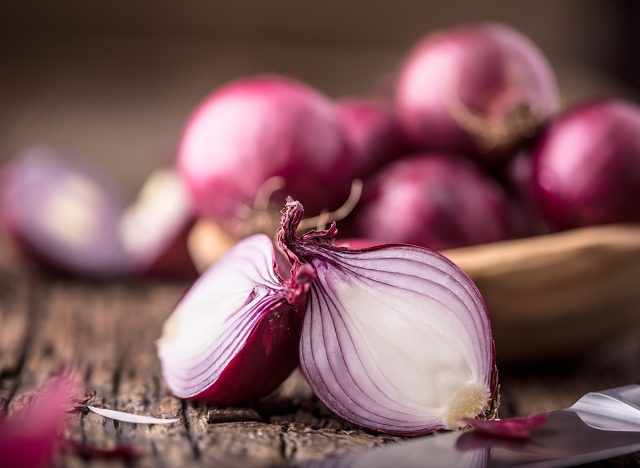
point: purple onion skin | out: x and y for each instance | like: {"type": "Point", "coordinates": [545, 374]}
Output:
{"type": "Point", "coordinates": [257, 128]}
{"type": "Point", "coordinates": [435, 201]}
{"type": "Point", "coordinates": [34, 178]}
{"type": "Point", "coordinates": [490, 70]}
{"type": "Point", "coordinates": [372, 131]}
{"type": "Point", "coordinates": [28, 438]}
{"type": "Point", "coordinates": [266, 360]}
{"type": "Point", "coordinates": [587, 166]}
{"type": "Point", "coordinates": [512, 428]}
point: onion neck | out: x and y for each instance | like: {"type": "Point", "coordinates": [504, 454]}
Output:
{"type": "Point", "coordinates": [497, 133]}
{"type": "Point", "coordinates": [293, 245]}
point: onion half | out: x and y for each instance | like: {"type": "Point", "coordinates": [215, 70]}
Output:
{"type": "Point", "coordinates": [62, 215]}
{"type": "Point", "coordinates": [233, 338]}
{"type": "Point", "coordinates": [395, 338]}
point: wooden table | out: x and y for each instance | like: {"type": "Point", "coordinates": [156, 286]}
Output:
{"type": "Point", "coordinates": [108, 331]}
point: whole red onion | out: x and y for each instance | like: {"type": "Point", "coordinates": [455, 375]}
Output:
{"type": "Point", "coordinates": [254, 129]}
{"type": "Point", "coordinates": [433, 200]}
{"type": "Point", "coordinates": [477, 89]}
{"type": "Point", "coordinates": [372, 131]}
{"type": "Point", "coordinates": [587, 166]}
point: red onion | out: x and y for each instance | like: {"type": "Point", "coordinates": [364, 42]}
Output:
{"type": "Point", "coordinates": [254, 129]}
{"type": "Point", "coordinates": [525, 215]}
{"type": "Point", "coordinates": [62, 215]}
{"type": "Point", "coordinates": [395, 338]}
{"type": "Point", "coordinates": [478, 89]}
{"type": "Point", "coordinates": [587, 166]}
{"type": "Point", "coordinates": [372, 132]}
{"type": "Point", "coordinates": [435, 201]}
{"type": "Point", "coordinates": [234, 336]}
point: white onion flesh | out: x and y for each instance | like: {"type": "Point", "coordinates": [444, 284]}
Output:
{"type": "Point", "coordinates": [215, 318]}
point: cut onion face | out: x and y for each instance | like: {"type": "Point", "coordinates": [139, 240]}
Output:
{"type": "Point", "coordinates": [395, 338]}
{"type": "Point", "coordinates": [234, 336]}
{"type": "Point", "coordinates": [154, 229]}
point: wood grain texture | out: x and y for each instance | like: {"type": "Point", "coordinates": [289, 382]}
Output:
{"type": "Point", "coordinates": [107, 330]}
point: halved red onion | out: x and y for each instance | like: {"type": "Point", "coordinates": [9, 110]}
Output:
{"type": "Point", "coordinates": [434, 200]}
{"type": "Point", "coordinates": [254, 129]}
{"type": "Point", "coordinates": [234, 336]}
{"type": "Point", "coordinates": [587, 166]}
{"type": "Point", "coordinates": [154, 229]}
{"type": "Point", "coordinates": [62, 214]}
{"type": "Point", "coordinates": [395, 338]}
{"type": "Point", "coordinates": [478, 89]}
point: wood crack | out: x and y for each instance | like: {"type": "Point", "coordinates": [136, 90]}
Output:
{"type": "Point", "coordinates": [34, 301]}
{"type": "Point", "coordinates": [187, 427]}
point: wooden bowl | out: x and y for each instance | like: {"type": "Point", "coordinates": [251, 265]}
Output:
{"type": "Point", "coordinates": [559, 294]}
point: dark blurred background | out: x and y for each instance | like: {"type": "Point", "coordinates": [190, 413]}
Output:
{"type": "Point", "coordinates": [115, 81]}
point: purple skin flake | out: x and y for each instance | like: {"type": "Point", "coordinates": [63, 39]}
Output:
{"type": "Point", "coordinates": [512, 428]}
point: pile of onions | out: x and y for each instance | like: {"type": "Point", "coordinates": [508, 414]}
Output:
{"type": "Point", "coordinates": [479, 90]}
{"type": "Point", "coordinates": [433, 200]}
{"type": "Point", "coordinates": [394, 338]}
{"type": "Point", "coordinates": [254, 129]}
{"type": "Point", "coordinates": [587, 166]}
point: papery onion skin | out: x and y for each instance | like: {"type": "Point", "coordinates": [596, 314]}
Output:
{"type": "Point", "coordinates": [587, 166]}
{"type": "Point", "coordinates": [29, 436]}
{"type": "Point", "coordinates": [257, 128]}
{"type": "Point", "coordinates": [513, 428]}
{"type": "Point", "coordinates": [433, 200]}
{"type": "Point", "coordinates": [372, 131]}
{"type": "Point", "coordinates": [62, 214]}
{"type": "Point", "coordinates": [335, 360]}
{"type": "Point", "coordinates": [480, 90]}
{"type": "Point", "coordinates": [261, 335]}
